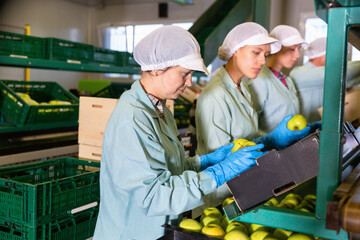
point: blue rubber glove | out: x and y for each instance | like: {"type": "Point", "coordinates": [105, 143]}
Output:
{"type": "Point", "coordinates": [281, 136]}
{"type": "Point", "coordinates": [219, 155]}
{"type": "Point", "coordinates": [314, 126]}
{"type": "Point", "coordinates": [234, 164]}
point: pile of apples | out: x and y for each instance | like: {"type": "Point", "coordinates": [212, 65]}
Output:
{"type": "Point", "coordinates": [26, 97]}
{"type": "Point", "coordinates": [213, 223]}
{"type": "Point", "coordinates": [295, 201]}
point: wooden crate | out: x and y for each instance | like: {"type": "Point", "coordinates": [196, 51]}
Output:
{"type": "Point", "coordinates": [94, 114]}
{"type": "Point", "coordinates": [89, 152]}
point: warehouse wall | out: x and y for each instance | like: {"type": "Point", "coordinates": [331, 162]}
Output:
{"type": "Point", "coordinates": [75, 22]}
{"type": "Point", "coordinates": [53, 18]}
{"type": "Point", "coordinates": [70, 21]}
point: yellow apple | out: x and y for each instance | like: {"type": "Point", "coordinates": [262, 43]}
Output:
{"type": "Point", "coordinates": [254, 227]}
{"type": "Point", "coordinates": [282, 205]}
{"type": "Point", "coordinates": [235, 225]}
{"type": "Point", "coordinates": [190, 225]}
{"type": "Point", "coordinates": [240, 143]}
{"type": "Point", "coordinates": [310, 197]}
{"type": "Point", "coordinates": [59, 102]}
{"type": "Point", "coordinates": [290, 202]}
{"type": "Point", "coordinates": [225, 222]}
{"type": "Point", "coordinates": [297, 123]}
{"type": "Point", "coordinates": [300, 236]}
{"type": "Point", "coordinates": [210, 219]}
{"type": "Point", "coordinates": [282, 234]}
{"type": "Point", "coordinates": [270, 237]}
{"type": "Point", "coordinates": [259, 235]}
{"type": "Point", "coordinates": [227, 201]}
{"type": "Point", "coordinates": [236, 235]}
{"type": "Point", "coordinates": [211, 211]}
{"type": "Point", "coordinates": [272, 202]}
{"type": "Point", "coordinates": [213, 230]}
{"type": "Point", "coordinates": [294, 195]}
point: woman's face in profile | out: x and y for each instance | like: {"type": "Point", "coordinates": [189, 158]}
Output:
{"type": "Point", "coordinates": [288, 56]}
{"type": "Point", "coordinates": [250, 59]}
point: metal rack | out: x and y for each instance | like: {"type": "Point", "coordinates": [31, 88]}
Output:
{"type": "Point", "coordinates": [340, 16]}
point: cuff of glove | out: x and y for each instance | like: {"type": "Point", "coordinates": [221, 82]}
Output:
{"type": "Point", "coordinates": [216, 174]}
{"type": "Point", "coordinates": [203, 162]}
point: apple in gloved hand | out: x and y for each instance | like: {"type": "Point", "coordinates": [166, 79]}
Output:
{"type": "Point", "coordinates": [240, 143]}
{"type": "Point", "coordinates": [297, 123]}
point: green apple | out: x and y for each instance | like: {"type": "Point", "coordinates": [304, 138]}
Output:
{"type": "Point", "coordinates": [190, 225]}
{"type": "Point", "coordinates": [310, 196]}
{"type": "Point", "coordinates": [236, 235]}
{"type": "Point", "coordinates": [210, 219]}
{"type": "Point", "coordinates": [227, 201]}
{"type": "Point", "coordinates": [294, 195]}
{"type": "Point", "coordinates": [270, 237]}
{"type": "Point", "coordinates": [247, 225]}
{"type": "Point", "coordinates": [259, 235]}
{"type": "Point", "coordinates": [297, 123]}
{"type": "Point", "coordinates": [212, 211]}
{"type": "Point", "coordinates": [240, 143]}
{"type": "Point", "coordinates": [213, 230]}
{"type": "Point", "coordinates": [282, 205]}
{"type": "Point", "coordinates": [282, 234]}
{"type": "Point", "coordinates": [255, 227]}
{"type": "Point", "coordinates": [59, 102]}
{"type": "Point", "coordinates": [290, 202]}
{"type": "Point", "coordinates": [272, 202]}
{"type": "Point", "coordinates": [300, 236]}
{"type": "Point", "coordinates": [235, 225]}
{"type": "Point", "coordinates": [225, 222]}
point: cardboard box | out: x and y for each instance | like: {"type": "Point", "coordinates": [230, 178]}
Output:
{"type": "Point", "coordinates": [94, 113]}
{"type": "Point", "coordinates": [351, 106]}
{"type": "Point", "coordinates": [276, 172]}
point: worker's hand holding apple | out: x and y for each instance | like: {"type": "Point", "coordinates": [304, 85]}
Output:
{"type": "Point", "coordinates": [282, 136]}
{"type": "Point", "coordinates": [234, 164]}
{"type": "Point", "coordinates": [212, 158]}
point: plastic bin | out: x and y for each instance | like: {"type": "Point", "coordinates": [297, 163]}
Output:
{"type": "Point", "coordinates": [72, 52]}
{"type": "Point", "coordinates": [106, 56]}
{"type": "Point", "coordinates": [33, 194]}
{"type": "Point", "coordinates": [114, 90]}
{"type": "Point", "coordinates": [17, 45]}
{"type": "Point", "coordinates": [21, 113]}
{"type": "Point", "coordinates": [78, 226]}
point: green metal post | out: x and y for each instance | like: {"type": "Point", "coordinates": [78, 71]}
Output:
{"type": "Point", "coordinates": [330, 151]}
{"type": "Point", "coordinates": [261, 12]}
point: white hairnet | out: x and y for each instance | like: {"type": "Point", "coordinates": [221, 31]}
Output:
{"type": "Point", "coordinates": [288, 36]}
{"type": "Point", "coordinates": [317, 48]}
{"type": "Point", "coordinates": [248, 33]}
{"type": "Point", "coordinates": [169, 46]}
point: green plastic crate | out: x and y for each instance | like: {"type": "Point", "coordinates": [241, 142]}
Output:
{"type": "Point", "coordinates": [63, 50]}
{"type": "Point", "coordinates": [21, 113]}
{"type": "Point", "coordinates": [17, 45]}
{"type": "Point", "coordinates": [106, 56]}
{"type": "Point", "coordinates": [78, 226]}
{"type": "Point", "coordinates": [33, 194]}
{"type": "Point", "coordinates": [114, 90]}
